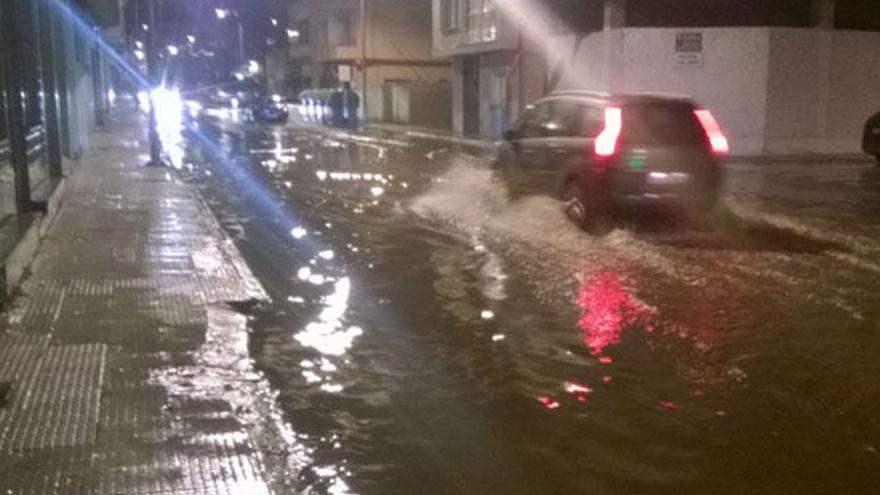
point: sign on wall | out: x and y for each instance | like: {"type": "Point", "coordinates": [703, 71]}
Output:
{"type": "Point", "coordinates": [344, 73]}
{"type": "Point", "coordinates": [688, 50]}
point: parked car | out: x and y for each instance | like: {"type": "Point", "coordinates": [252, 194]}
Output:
{"type": "Point", "coordinates": [871, 137]}
{"type": "Point", "coordinates": [604, 153]}
{"type": "Point", "coordinates": [268, 111]}
{"type": "Point", "coordinates": [315, 105]}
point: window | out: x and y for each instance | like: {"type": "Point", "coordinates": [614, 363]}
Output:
{"type": "Point", "coordinates": [32, 73]}
{"type": "Point", "coordinates": [573, 119]}
{"type": "Point", "coordinates": [482, 21]}
{"type": "Point", "coordinates": [669, 125]}
{"type": "Point", "coordinates": [449, 15]}
{"type": "Point", "coordinates": [534, 120]}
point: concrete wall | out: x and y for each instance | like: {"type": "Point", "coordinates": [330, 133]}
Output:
{"type": "Point", "coordinates": [379, 75]}
{"type": "Point", "coordinates": [731, 80]}
{"type": "Point", "coordinates": [822, 86]}
{"type": "Point", "coordinates": [777, 90]}
{"type": "Point", "coordinates": [855, 84]}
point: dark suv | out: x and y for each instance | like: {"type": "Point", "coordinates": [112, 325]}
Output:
{"type": "Point", "coordinates": [601, 153]}
{"type": "Point", "coordinates": [871, 138]}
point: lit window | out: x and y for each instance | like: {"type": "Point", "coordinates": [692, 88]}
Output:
{"type": "Point", "coordinates": [482, 21]}
{"type": "Point", "coordinates": [449, 15]}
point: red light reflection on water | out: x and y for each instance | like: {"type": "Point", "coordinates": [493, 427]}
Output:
{"type": "Point", "coordinates": [548, 402]}
{"type": "Point", "coordinates": [575, 388]}
{"type": "Point", "coordinates": [607, 308]}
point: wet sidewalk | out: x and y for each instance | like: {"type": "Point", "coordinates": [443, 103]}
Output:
{"type": "Point", "coordinates": [127, 364]}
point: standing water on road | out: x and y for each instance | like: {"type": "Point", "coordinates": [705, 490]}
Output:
{"type": "Point", "coordinates": [429, 335]}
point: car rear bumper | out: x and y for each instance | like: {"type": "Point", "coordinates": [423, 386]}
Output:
{"type": "Point", "coordinates": [674, 190]}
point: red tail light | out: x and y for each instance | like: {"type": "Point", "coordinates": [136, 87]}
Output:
{"type": "Point", "coordinates": [606, 142]}
{"type": "Point", "coordinates": [717, 140]}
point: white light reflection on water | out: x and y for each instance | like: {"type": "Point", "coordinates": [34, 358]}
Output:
{"type": "Point", "coordinates": [327, 335]}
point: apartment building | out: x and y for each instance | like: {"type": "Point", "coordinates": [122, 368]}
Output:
{"type": "Point", "coordinates": [385, 54]}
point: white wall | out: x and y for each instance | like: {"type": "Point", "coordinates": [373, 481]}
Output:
{"type": "Point", "coordinates": [731, 82]}
{"type": "Point", "coordinates": [822, 87]}
{"type": "Point", "coordinates": [855, 85]}
{"type": "Point", "coordinates": [776, 90]}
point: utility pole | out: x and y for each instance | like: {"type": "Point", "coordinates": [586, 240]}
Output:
{"type": "Point", "coordinates": [240, 41]}
{"type": "Point", "coordinates": [364, 55]}
{"type": "Point", "coordinates": [12, 34]}
{"type": "Point", "coordinates": [155, 143]}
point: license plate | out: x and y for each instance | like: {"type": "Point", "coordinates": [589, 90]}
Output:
{"type": "Point", "coordinates": [668, 178]}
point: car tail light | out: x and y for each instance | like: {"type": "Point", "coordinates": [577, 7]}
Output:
{"type": "Point", "coordinates": [717, 140]}
{"type": "Point", "coordinates": [606, 142]}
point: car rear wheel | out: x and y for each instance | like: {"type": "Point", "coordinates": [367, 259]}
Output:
{"type": "Point", "coordinates": [586, 214]}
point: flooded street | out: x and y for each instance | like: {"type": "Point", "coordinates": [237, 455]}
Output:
{"type": "Point", "coordinates": [428, 335]}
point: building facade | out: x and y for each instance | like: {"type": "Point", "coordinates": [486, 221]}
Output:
{"type": "Point", "coordinates": [385, 55]}
{"type": "Point", "coordinates": [782, 76]}
{"type": "Point", "coordinates": [53, 91]}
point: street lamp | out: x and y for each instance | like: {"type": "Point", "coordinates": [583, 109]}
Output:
{"type": "Point", "coordinates": [155, 143]}
{"type": "Point", "coordinates": [363, 5]}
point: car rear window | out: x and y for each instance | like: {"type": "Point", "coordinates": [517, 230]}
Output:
{"type": "Point", "coordinates": [662, 125]}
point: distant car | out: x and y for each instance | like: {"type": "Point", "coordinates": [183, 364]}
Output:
{"type": "Point", "coordinates": [268, 111]}
{"type": "Point", "coordinates": [871, 137]}
{"type": "Point", "coordinates": [603, 153]}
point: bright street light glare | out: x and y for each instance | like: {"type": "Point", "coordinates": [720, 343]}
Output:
{"type": "Point", "coordinates": [253, 67]}
{"type": "Point", "coordinates": [274, 21]}
{"type": "Point", "coordinates": [191, 39]}
{"type": "Point", "coordinates": [173, 50]}
{"type": "Point", "coordinates": [221, 13]}
{"type": "Point", "coordinates": [292, 33]}
{"type": "Point", "coordinates": [139, 44]}
{"type": "Point", "coordinates": [139, 54]}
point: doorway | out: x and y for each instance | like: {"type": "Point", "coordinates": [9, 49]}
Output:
{"type": "Point", "coordinates": [471, 95]}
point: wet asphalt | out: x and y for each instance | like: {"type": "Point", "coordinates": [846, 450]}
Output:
{"type": "Point", "coordinates": [428, 335]}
